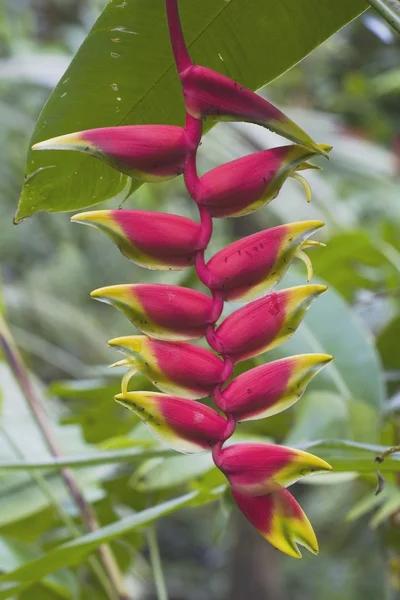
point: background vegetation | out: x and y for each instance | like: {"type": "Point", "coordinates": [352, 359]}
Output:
{"type": "Point", "coordinates": [345, 93]}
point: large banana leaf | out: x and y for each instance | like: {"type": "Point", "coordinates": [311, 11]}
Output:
{"type": "Point", "coordinates": [124, 74]}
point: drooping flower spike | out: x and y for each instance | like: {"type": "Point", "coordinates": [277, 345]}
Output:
{"type": "Point", "coordinates": [170, 316]}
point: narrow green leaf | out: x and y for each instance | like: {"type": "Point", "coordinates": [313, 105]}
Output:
{"type": "Point", "coordinates": [73, 552]}
{"type": "Point", "coordinates": [131, 455]}
{"type": "Point", "coordinates": [345, 455]}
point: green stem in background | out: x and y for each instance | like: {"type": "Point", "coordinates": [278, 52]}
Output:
{"type": "Point", "coordinates": [62, 514]}
{"type": "Point", "coordinates": [20, 372]}
{"type": "Point", "coordinates": [392, 450]}
{"type": "Point", "coordinates": [155, 559]}
{"type": "Point", "coordinates": [389, 10]}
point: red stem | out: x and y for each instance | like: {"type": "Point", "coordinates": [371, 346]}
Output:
{"type": "Point", "coordinates": [179, 49]}
{"type": "Point", "coordinates": [193, 131]}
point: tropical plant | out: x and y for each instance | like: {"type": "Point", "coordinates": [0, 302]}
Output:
{"type": "Point", "coordinates": [337, 418]}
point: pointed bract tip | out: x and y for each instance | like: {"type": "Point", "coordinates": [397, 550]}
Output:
{"type": "Point", "coordinates": [133, 343]}
{"type": "Point", "coordinates": [112, 292]}
{"type": "Point", "coordinates": [92, 216]}
{"type": "Point", "coordinates": [316, 288]}
{"type": "Point", "coordinates": [315, 464]}
{"type": "Point", "coordinates": [121, 398]}
{"type": "Point", "coordinates": [324, 149]}
{"type": "Point", "coordinates": [310, 289]}
{"type": "Point", "coordinates": [70, 141]}
{"type": "Point", "coordinates": [309, 360]}
{"type": "Point", "coordinates": [300, 227]}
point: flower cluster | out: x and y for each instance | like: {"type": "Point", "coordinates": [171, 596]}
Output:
{"type": "Point", "coordinates": [170, 317]}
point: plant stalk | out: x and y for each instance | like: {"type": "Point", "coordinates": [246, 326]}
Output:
{"type": "Point", "coordinates": [179, 49]}
{"type": "Point", "coordinates": [155, 559]}
{"type": "Point", "coordinates": [389, 10]}
{"type": "Point", "coordinates": [20, 372]}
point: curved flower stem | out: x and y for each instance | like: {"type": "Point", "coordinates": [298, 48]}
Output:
{"type": "Point", "coordinates": [181, 54]}
{"type": "Point", "coordinates": [20, 372]}
{"type": "Point", "coordinates": [155, 559]}
{"type": "Point", "coordinates": [389, 10]}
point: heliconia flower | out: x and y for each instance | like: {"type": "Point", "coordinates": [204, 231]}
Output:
{"type": "Point", "coordinates": [165, 312]}
{"type": "Point", "coordinates": [175, 368]}
{"type": "Point", "coordinates": [246, 184]}
{"type": "Point", "coordinates": [280, 520]}
{"type": "Point", "coordinates": [264, 323]}
{"type": "Point", "coordinates": [271, 388]}
{"type": "Point", "coordinates": [255, 469]}
{"type": "Point", "coordinates": [146, 152]}
{"type": "Point", "coordinates": [154, 240]}
{"type": "Point", "coordinates": [251, 266]}
{"type": "Point", "coordinates": [185, 425]}
{"type": "Point", "coordinates": [212, 96]}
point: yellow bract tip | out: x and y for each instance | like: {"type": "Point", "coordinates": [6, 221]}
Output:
{"type": "Point", "coordinates": [92, 216]}
{"type": "Point", "coordinates": [70, 141]}
{"type": "Point", "coordinates": [129, 342]}
{"type": "Point", "coordinates": [111, 292]}
{"type": "Point", "coordinates": [314, 463]}
{"type": "Point", "coordinates": [324, 149]}
{"type": "Point", "coordinates": [308, 227]}
{"type": "Point", "coordinates": [309, 360]}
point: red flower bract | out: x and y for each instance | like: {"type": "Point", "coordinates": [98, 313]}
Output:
{"type": "Point", "coordinates": [154, 240]}
{"type": "Point", "coordinates": [147, 152]}
{"type": "Point", "coordinates": [165, 312]}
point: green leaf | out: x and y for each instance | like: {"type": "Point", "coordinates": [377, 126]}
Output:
{"type": "Point", "coordinates": [73, 552]}
{"type": "Point", "coordinates": [94, 409]}
{"type": "Point", "coordinates": [124, 74]}
{"type": "Point", "coordinates": [164, 473]}
{"type": "Point", "coordinates": [345, 455]}
{"type": "Point", "coordinates": [332, 327]}
{"type": "Point", "coordinates": [131, 455]}
{"type": "Point", "coordinates": [14, 554]}
{"type": "Point", "coordinates": [352, 260]}
{"type": "Point", "coordinates": [388, 346]}
{"type": "Point", "coordinates": [319, 415]}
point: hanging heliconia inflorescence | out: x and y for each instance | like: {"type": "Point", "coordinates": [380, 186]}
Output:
{"type": "Point", "coordinates": [172, 316]}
